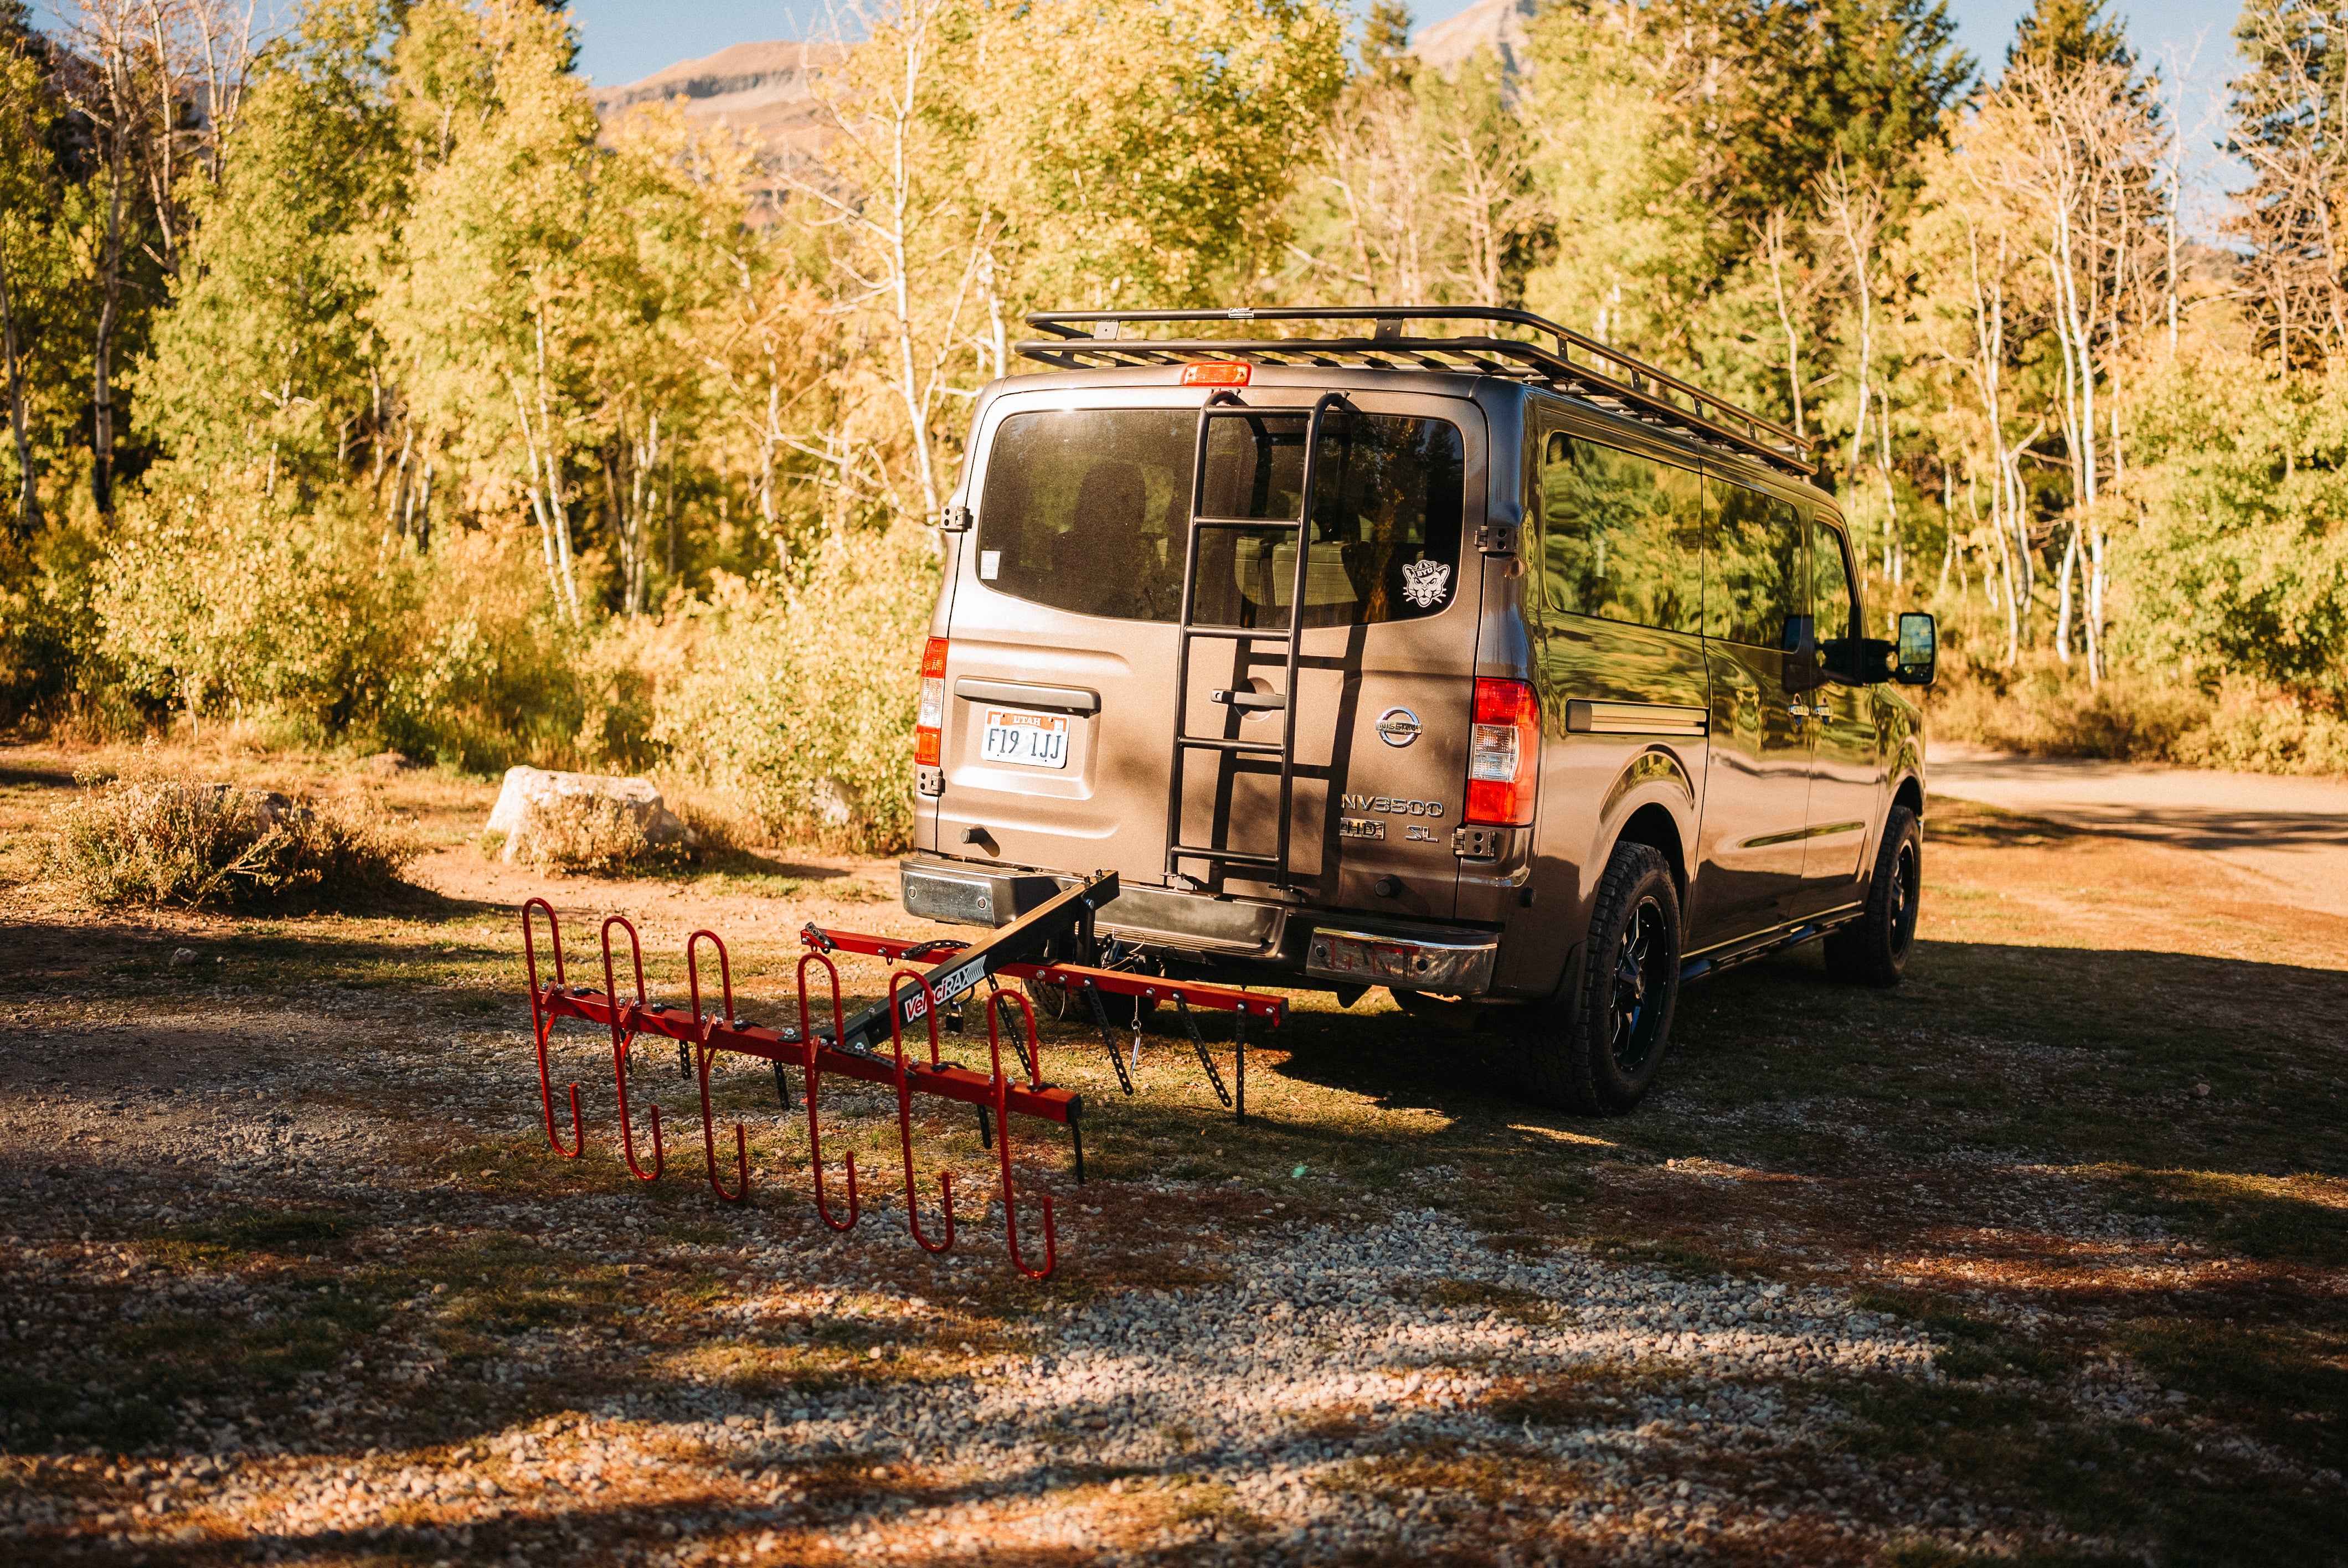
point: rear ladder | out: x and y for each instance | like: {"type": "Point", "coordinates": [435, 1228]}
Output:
{"type": "Point", "coordinates": [1240, 703]}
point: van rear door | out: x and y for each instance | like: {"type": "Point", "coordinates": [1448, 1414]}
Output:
{"type": "Point", "coordinates": [1384, 653]}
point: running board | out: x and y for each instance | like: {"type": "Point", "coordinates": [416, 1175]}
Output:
{"type": "Point", "coordinates": [1697, 969]}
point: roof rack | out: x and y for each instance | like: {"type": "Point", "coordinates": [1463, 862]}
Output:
{"type": "Point", "coordinates": [1604, 376]}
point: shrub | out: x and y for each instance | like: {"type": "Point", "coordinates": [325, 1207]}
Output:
{"type": "Point", "coordinates": [216, 593]}
{"type": "Point", "coordinates": [489, 677]}
{"type": "Point", "coordinates": [146, 838]}
{"type": "Point", "coordinates": [797, 706]}
{"type": "Point", "coordinates": [2253, 730]}
{"type": "Point", "coordinates": [2043, 709]}
{"type": "Point", "coordinates": [583, 833]}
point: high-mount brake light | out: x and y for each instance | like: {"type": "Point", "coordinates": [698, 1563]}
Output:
{"type": "Point", "coordinates": [1503, 754]}
{"type": "Point", "coordinates": [929, 729]}
{"type": "Point", "coordinates": [1219, 373]}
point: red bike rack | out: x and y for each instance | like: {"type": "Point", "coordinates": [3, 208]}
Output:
{"type": "Point", "coordinates": [849, 1047]}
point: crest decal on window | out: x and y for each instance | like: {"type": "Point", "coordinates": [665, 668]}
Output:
{"type": "Point", "coordinates": [1424, 582]}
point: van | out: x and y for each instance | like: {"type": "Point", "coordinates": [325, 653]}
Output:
{"type": "Point", "coordinates": [1492, 668]}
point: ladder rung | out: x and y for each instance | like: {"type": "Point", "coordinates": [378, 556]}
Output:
{"type": "Point", "coordinates": [1240, 634]}
{"type": "Point", "coordinates": [1228, 856]}
{"type": "Point", "coordinates": [1203, 743]}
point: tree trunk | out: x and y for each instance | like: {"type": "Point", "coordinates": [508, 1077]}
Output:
{"type": "Point", "coordinates": [2063, 611]}
{"type": "Point", "coordinates": [28, 499]}
{"type": "Point", "coordinates": [109, 312]}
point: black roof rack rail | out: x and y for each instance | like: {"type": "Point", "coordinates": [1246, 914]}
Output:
{"type": "Point", "coordinates": [1604, 376]}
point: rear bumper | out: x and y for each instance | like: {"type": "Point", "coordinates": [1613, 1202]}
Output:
{"type": "Point", "coordinates": [1446, 961]}
{"type": "Point", "coordinates": [1329, 945]}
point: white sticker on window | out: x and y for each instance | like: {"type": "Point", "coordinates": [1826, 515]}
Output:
{"type": "Point", "coordinates": [1422, 582]}
{"type": "Point", "coordinates": [990, 565]}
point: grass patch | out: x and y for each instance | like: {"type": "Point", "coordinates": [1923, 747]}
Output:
{"type": "Point", "coordinates": [1507, 1300]}
{"type": "Point", "coordinates": [1972, 1348]}
{"type": "Point", "coordinates": [1683, 1259]}
{"type": "Point", "coordinates": [502, 1283]}
{"type": "Point", "coordinates": [1214, 1503]}
{"type": "Point", "coordinates": [229, 1240]}
{"type": "Point", "coordinates": [2147, 1487]}
{"type": "Point", "coordinates": [2300, 1218]}
{"type": "Point", "coordinates": [2289, 1384]}
{"type": "Point", "coordinates": [1595, 1395]}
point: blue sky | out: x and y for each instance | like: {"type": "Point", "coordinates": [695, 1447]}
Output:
{"type": "Point", "coordinates": [620, 40]}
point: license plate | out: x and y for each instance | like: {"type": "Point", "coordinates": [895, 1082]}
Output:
{"type": "Point", "coordinates": [1356, 957]}
{"type": "Point", "coordinates": [1026, 740]}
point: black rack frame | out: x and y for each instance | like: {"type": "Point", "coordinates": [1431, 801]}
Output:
{"type": "Point", "coordinates": [1628, 387]}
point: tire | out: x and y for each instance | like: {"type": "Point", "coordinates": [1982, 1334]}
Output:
{"type": "Point", "coordinates": [1599, 1051]}
{"type": "Point", "coordinates": [1873, 950]}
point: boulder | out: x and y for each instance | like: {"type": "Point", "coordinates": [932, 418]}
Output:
{"type": "Point", "coordinates": [833, 801]}
{"type": "Point", "coordinates": [535, 798]}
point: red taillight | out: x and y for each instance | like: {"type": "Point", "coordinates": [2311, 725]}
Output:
{"type": "Point", "coordinates": [1221, 372]}
{"type": "Point", "coordinates": [1504, 754]}
{"type": "Point", "coordinates": [929, 729]}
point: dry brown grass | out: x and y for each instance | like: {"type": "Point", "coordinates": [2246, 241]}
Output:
{"type": "Point", "coordinates": [154, 838]}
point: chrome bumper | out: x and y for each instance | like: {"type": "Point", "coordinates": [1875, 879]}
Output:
{"type": "Point", "coordinates": [1457, 964]}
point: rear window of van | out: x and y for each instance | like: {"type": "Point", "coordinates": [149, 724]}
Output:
{"type": "Point", "coordinates": [1088, 510]}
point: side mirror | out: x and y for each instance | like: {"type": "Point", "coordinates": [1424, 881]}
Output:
{"type": "Point", "coordinates": [1918, 646]}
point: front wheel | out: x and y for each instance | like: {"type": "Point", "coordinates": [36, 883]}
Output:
{"type": "Point", "coordinates": [1873, 950]}
{"type": "Point", "coordinates": [1600, 1052]}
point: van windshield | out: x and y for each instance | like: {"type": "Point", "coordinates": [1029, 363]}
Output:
{"type": "Point", "coordinates": [1087, 510]}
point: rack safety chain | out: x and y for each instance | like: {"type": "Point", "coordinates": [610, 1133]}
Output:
{"type": "Point", "coordinates": [852, 1045]}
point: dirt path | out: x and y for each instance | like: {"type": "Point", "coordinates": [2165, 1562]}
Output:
{"type": "Point", "coordinates": [2287, 835]}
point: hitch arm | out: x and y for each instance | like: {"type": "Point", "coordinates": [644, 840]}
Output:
{"type": "Point", "coordinates": [1023, 941]}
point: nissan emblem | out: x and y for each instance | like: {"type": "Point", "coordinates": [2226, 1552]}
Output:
{"type": "Point", "coordinates": [1398, 726]}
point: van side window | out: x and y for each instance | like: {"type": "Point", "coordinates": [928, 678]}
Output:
{"type": "Point", "coordinates": [1389, 499]}
{"type": "Point", "coordinates": [1621, 536]}
{"type": "Point", "coordinates": [1831, 598]}
{"type": "Point", "coordinates": [1089, 509]}
{"type": "Point", "coordinates": [1757, 587]}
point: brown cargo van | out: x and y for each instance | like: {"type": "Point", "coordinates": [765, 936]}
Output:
{"type": "Point", "coordinates": [1496, 670]}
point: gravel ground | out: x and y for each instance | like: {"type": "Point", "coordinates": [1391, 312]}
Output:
{"type": "Point", "coordinates": [1346, 1378]}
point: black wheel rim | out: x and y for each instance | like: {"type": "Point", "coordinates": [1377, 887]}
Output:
{"type": "Point", "coordinates": [1638, 982]}
{"type": "Point", "coordinates": [1903, 898]}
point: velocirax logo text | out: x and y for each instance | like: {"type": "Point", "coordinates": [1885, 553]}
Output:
{"type": "Point", "coordinates": [1391, 804]}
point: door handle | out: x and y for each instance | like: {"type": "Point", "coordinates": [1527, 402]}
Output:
{"type": "Point", "coordinates": [1250, 700]}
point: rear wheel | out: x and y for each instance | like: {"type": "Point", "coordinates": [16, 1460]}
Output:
{"type": "Point", "coordinates": [1873, 950]}
{"type": "Point", "coordinates": [1600, 1052]}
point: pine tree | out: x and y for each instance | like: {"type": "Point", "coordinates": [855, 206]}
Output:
{"type": "Point", "coordinates": [2062, 35]}
{"type": "Point", "coordinates": [2290, 113]}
